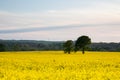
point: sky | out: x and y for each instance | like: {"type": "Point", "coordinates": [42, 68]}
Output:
{"type": "Point", "coordinates": [60, 20]}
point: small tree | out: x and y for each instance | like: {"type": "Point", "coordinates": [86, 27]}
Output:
{"type": "Point", "coordinates": [82, 43]}
{"type": "Point", "coordinates": [68, 46]}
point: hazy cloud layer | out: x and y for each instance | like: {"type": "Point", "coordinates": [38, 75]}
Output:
{"type": "Point", "coordinates": [98, 34]}
{"type": "Point", "coordinates": [25, 30]}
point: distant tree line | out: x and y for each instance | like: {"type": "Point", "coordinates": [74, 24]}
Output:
{"type": "Point", "coordinates": [32, 45]}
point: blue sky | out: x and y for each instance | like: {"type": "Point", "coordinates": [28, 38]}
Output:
{"type": "Point", "coordinates": [60, 19]}
{"type": "Point", "coordinates": [42, 5]}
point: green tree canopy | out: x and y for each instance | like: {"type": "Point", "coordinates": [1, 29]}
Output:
{"type": "Point", "coordinates": [68, 46]}
{"type": "Point", "coordinates": [82, 43]}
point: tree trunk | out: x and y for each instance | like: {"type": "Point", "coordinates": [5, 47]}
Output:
{"type": "Point", "coordinates": [83, 51]}
{"type": "Point", "coordinates": [68, 52]}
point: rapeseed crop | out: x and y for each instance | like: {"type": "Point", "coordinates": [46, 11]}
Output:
{"type": "Point", "coordinates": [55, 65]}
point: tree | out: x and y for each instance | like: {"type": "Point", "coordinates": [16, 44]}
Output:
{"type": "Point", "coordinates": [2, 47]}
{"type": "Point", "coordinates": [82, 43]}
{"type": "Point", "coordinates": [68, 46]}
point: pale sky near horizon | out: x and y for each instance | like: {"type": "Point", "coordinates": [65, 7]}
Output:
{"type": "Point", "coordinates": [59, 20]}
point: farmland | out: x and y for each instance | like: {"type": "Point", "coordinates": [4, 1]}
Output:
{"type": "Point", "coordinates": [55, 65]}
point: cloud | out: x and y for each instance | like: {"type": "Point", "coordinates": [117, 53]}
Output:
{"type": "Point", "coordinates": [97, 34]}
{"type": "Point", "coordinates": [34, 29]}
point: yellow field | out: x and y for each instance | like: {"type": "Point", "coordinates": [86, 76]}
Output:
{"type": "Point", "coordinates": [55, 65]}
